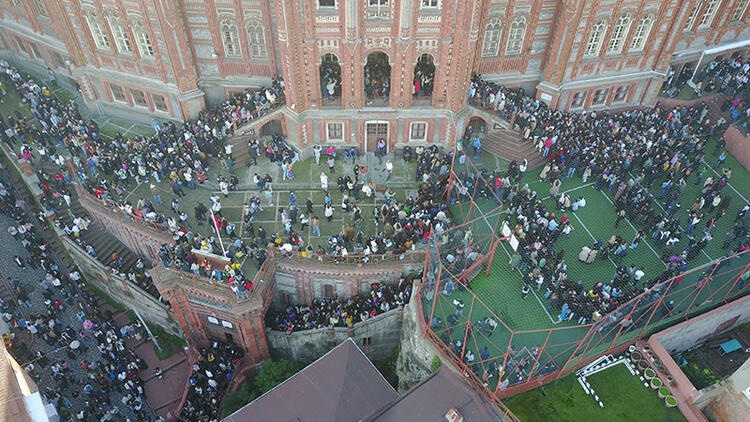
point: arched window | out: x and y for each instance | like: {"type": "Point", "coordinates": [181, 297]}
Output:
{"type": "Point", "coordinates": [641, 33]}
{"type": "Point", "coordinates": [330, 77]}
{"type": "Point", "coordinates": [424, 76]}
{"type": "Point", "coordinates": [739, 11]}
{"type": "Point", "coordinates": [708, 14]}
{"type": "Point", "coordinates": [515, 36]}
{"type": "Point", "coordinates": [256, 38]}
{"type": "Point", "coordinates": [230, 39]}
{"type": "Point", "coordinates": [41, 9]}
{"type": "Point", "coordinates": [619, 33]}
{"type": "Point", "coordinates": [693, 15]}
{"type": "Point", "coordinates": [377, 77]}
{"type": "Point", "coordinates": [491, 38]}
{"type": "Point", "coordinates": [142, 40]}
{"type": "Point", "coordinates": [122, 42]}
{"type": "Point", "coordinates": [595, 39]}
{"type": "Point", "coordinates": [378, 9]}
{"type": "Point", "coordinates": [97, 31]}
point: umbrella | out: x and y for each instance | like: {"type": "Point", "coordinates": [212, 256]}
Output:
{"type": "Point", "coordinates": [88, 324]}
{"type": "Point", "coordinates": [75, 344]}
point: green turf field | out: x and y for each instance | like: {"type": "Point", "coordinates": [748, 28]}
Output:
{"type": "Point", "coordinates": [622, 394]}
{"type": "Point", "coordinates": [526, 323]}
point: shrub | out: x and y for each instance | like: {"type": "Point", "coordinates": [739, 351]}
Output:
{"type": "Point", "coordinates": [435, 365]}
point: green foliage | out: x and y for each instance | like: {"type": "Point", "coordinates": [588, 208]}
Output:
{"type": "Point", "coordinates": [273, 373]}
{"type": "Point", "coordinates": [387, 367]}
{"type": "Point", "coordinates": [700, 377]}
{"type": "Point", "coordinates": [169, 343]}
{"type": "Point", "coordinates": [435, 365]}
{"type": "Point", "coordinates": [236, 399]}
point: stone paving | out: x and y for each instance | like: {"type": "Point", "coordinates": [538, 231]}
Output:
{"type": "Point", "coordinates": [73, 386]}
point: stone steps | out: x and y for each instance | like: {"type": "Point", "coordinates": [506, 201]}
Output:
{"type": "Point", "coordinates": [509, 145]}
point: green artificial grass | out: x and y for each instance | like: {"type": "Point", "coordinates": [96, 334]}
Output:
{"type": "Point", "coordinates": [623, 395]}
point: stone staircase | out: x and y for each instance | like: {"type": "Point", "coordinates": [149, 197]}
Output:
{"type": "Point", "coordinates": [104, 243]}
{"type": "Point", "coordinates": [509, 145]}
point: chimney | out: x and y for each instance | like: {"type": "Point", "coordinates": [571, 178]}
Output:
{"type": "Point", "coordinates": [453, 415]}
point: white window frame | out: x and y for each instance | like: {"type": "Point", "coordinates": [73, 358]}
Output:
{"type": "Point", "coordinates": [230, 39]}
{"type": "Point", "coordinates": [413, 126]}
{"type": "Point", "coordinates": [693, 15]}
{"type": "Point", "coordinates": [709, 13]}
{"type": "Point", "coordinates": [329, 132]}
{"type": "Point", "coordinates": [641, 33]}
{"type": "Point", "coordinates": [619, 34]}
{"type": "Point", "coordinates": [491, 43]}
{"type": "Point", "coordinates": [163, 100]}
{"type": "Point", "coordinates": [429, 4]}
{"type": "Point", "coordinates": [605, 92]}
{"type": "Point", "coordinates": [516, 35]}
{"type": "Point", "coordinates": [378, 9]}
{"type": "Point", "coordinates": [133, 92]}
{"type": "Point", "coordinates": [256, 39]}
{"type": "Point", "coordinates": [574, 101]}
{"type": "Point", "coordinates": [227, 324]}
{"type": "Point", "coordinates": [98, 33]}
{"type": "Point", "coordinates": [623, 89]}
{"type": "Point", "coordinates": [593, 46]}
{"type": "Point", "coordinates": [335, 5]}
{"type": "Point", "coordinates": [212, 320]}
{"type": "Point", "coordinates": [41, 9]}
{"type": "Point", "coordinates": [120, 34]}
{"type": "Point", "coordinates": [143, 40]}
{"type": "Point", "coordinates": [739, 11]}
{"type": "Point", "coordinates": [112, 89]}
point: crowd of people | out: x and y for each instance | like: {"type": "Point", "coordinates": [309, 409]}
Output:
{"type": "Point", "coordinates": [59, 311]}
{"type": "Point", "coordinates": [342, 312]}
{"type": "Point", "coordinates": [627, 154]}
{"type": "Point", "coordinates": [176, 154]}
{"type": "Point", "coordinates": [377, 77]}
{"type": "Point", "coordinates": [728, 76]}
{"type": "Point", "coordinates": [209, 381]}
{"type": "Point", "coordinates": [630, 154]}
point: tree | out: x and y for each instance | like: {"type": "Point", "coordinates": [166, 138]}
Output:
{"type": "Point", "coordinates": [271, 374]}
{"type": "Point", "coordinates": [274, 373]}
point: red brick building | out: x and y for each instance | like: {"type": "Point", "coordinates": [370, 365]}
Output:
{"type": "Point", "coordinates": [359, 70]}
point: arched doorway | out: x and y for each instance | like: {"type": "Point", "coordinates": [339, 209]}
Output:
{"type": "Point", "coordinates": [476, 127]}
{"type": "Point", "coordinates": [424, 76]}
{"type": "Point", "coordinates": [377, 78]}
{"type": "Point", "coordinates": [272, 128]}
{"type": "Point", "coordinates": [330, 78]}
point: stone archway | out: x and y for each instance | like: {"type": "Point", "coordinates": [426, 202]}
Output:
{"type": "Point", "coordinates": [476, 125]}
{"type": "Point", "coordinates": [424, 76]}
{"type": "Point", "coordinates": [330, 78]}
{"type": "Point", "coordinates": [377, 77]}
{"type": "Point", "coordinates": [272, 128]}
